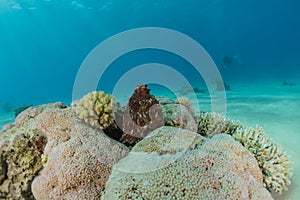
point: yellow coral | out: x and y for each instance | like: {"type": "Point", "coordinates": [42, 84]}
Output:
{"type": "Point", "coordinates": [96, 109]}
{"type": "Point", "coordinates": [274, 163]}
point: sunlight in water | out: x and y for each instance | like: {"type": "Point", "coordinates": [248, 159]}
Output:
{"type": "Point", "coordinates": [18, 5]}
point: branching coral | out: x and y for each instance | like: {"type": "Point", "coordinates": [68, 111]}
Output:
{"type": "Point", "coordinates": [273, 162]}
{"type": "Point", "coordinates": [96, 109]}
{"type": "Point", "coordinates": [213, 123]}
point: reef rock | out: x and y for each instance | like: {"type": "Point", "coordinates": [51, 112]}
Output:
{"type": "Point", "coordinates": [22, 154]}
{"type": "Point", "coordinates": [173, 163]}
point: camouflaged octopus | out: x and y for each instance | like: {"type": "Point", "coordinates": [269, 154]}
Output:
{"type": "Point", "coordinates": [142, 115]}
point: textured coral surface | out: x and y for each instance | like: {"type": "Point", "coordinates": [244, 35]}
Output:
{"type": "Point", "coordinates": [50, 154]}
{"type": "Point", "coordinates": [185, 165]}
{"type": "Point", "coordinates": [21, 155]}
{"type": "Point", "coordinates": [96, 109]}
{"type": "Point", "coordinates": [177, 115]}
{"type": "Point", "coordinates": [79, 157]}
{"type": "Point", "coordinates": [58, 152]}
{"type": "Point", "coordinates": [273, 162]}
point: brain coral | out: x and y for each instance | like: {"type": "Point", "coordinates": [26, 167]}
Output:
{"type": "Point", "coordinates": [173, 163]}
{"type": "Point", "coordinates": [79, 157]}
{"type": "Point", "coordinates": [96, 109]}
{"type": "Point", "coordinates": [51, 154]}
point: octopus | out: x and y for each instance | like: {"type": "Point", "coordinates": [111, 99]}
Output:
{"type": "Point", "coordinates": [142, 115]}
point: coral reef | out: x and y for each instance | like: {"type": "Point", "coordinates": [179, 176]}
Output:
{"type": "Point", "coordinates": [79, 157]}
{"type": "Point", "coordinates": [186, 102]}
{"type": "Point", "coordinates": [177, 115]}
{"type": "Point", "coordinates": [274, 163]}
{"type": "Point", "coordinates": [164, 100]}
{"type": "Point", "coordinates": [189, 90]}
{"type": "Point", "coordinates": [221, 86]}
{"type": "Point", "coordinates": [210, 124]}
{"type": "Point", "coordinates": [96, 109]}
{"type": "Point", "coordinates": [21, 153]}
{"type": "Point", "coordinates": [199, 90]}
{"type": "Point", "coordinates": [51, 154]}
{"type": "Point", "coordinates": [142, 115]}
{"type": "Point", "coordinates": [173, 163]}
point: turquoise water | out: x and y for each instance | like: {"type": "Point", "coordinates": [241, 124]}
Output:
{"type": "Point", "coordinates": [44, 43]}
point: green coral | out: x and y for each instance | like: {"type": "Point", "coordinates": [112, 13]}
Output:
{"type": "Point", "coordinates": [96, 109]}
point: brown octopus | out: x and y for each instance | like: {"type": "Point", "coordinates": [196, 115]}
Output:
{"type": "Point", "coordinates": [142, 115]}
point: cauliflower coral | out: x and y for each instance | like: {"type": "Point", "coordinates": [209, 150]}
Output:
{"type": "Point", "coordinates": [96, 109]}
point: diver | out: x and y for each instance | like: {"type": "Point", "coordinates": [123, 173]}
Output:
{"type": "Point", "coordinates": [229, 61]}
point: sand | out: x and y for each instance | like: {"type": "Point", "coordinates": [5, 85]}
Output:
{"type": "Point", "coordinates": [6, 118]}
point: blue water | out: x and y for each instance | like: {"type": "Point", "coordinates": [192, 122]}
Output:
{"type": "Point", "coordinates": [43, 43]}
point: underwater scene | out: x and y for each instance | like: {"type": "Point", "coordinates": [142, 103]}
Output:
{"type": "Point", "coordinates": [149, 99]}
